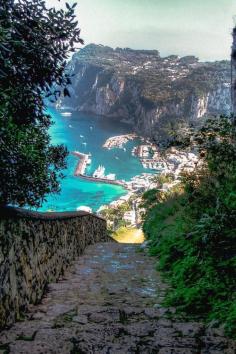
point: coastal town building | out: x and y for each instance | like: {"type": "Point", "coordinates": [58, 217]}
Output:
{"type": "Point", "coordinates": [130, 217]}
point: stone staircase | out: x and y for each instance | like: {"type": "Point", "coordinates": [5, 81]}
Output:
{"type": "Point", "coordinates": [108, 302]}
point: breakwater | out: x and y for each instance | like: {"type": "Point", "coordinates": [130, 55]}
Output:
{"type": "Point", "coordinates": [35, 249]}
{"type": "Point", "coordinates": [103, 180]}
{"type": "Point", "coordinates": [81, 167]}
{"type": "Point", "coordinates": [119, 141]}
{"type": "Point", "coordinates": [82, 164]}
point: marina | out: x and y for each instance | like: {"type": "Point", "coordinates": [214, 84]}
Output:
{"type": "Point", "coordinates": [148, 155]}
{"type": "Point", "coordinates": [66, 114]}
{"type": "Point", "coordinates": [118, 141]}
{"type": "Point", "coordinates": [79, 188]}
{"type": "Point", "coordinates": [147, 152]}
{"type": "Point", "coordinates": [99, 173]}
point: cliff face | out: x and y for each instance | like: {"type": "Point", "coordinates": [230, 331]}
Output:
{"type": "Point", "coordinates": [145, 90]}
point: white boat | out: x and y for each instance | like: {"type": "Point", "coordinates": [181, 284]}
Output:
{"type": "Point", "coordinates": [99, 172]}
{"type": "Point", "coordinates": [91, 128]}
{"type": "Point", "coordinates": [111, 176]}
{"type": "Point", "coordinates": [81, 136]}
{"type": "Point", "coordinates": [84, 208]}
{"type": "Point", "coordinates": [70, 126]}
{"type": "Point", "coordinates": [89, 162]}
{"type": "Point", "coordinates": [58, 104]}
{"type": "Point", "coordinates": [84, 143]}
{"type": "Point", "coordinates": [66, 114]}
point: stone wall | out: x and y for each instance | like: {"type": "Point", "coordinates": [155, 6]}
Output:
{"type": "Point", "coordinates": [35, 249]}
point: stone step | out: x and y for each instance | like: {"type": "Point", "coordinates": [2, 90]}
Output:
{"type": "Point", "coordinates": [109, 301]}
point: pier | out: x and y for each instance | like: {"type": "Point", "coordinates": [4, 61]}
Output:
{"type": "Point", "coordinates": [119, 141]}
{"type": "Point", "coordinates": [104, 180]}
{"type": "Point", "coordinates": [82, 164]}
{"type": "Point", "coordinates": [81, 167]}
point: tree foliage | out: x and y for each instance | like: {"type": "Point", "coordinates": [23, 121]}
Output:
{"type": "Point", "coordinates": [34, 44]}
{"type": "Point", "coordinates": [194, 233]}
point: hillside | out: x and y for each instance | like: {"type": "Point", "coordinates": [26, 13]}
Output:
{"type": "Point", "coordinates": [145, 90]}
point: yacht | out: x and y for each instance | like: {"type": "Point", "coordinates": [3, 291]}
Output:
{"type": "Point", "coordinates": [99, 172]}
{"type": "Point", "coordinates": [111, 176]}
{"type": "Point", "coordinates": [66, 114]}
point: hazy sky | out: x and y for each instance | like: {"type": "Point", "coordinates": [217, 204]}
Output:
{"type": "Point", "coordinates": [199, 27]}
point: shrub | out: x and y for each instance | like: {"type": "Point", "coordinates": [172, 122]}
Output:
{"type": "Point", "coordinates": [194, 233]}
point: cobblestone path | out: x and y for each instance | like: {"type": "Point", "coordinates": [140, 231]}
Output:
{"type": "Point", "coordinates": [109, 303]}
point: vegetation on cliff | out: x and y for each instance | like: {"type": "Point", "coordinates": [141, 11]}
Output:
{"type": "Point", "coordinates": [115, 216]}
{"type": "Point", "coordinates": [192, 230]}
{"type": "Point", "coordinates": [34, 45]}
{"type": "Point", "coordinates": [147, 90]}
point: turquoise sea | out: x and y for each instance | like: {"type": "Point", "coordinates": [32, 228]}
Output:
{"type": "Point", "coordinates": [87, 133]}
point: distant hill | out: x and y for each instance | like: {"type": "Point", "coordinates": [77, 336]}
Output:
{"type": "Point", "coordinates": [146, 90]}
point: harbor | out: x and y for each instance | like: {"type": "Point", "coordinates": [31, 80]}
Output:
{"type": "Point", "coordinates": [119, 141]}
{"type": "Point", "coordinates": [111, 175]}
{"type": "Point", "coordinates": [148, 155]}
{"type": "Point", "coordinates": [79, 188]}
{"type": "Point", "coordinates": [146, 152]}
{"type": "Point", "coordinates": [99, 173]}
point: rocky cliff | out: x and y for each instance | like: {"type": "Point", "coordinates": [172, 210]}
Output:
{"type": "Point", "coordinates": [145, 90]}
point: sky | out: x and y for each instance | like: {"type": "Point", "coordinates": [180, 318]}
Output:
{"type": "Point", "coordinates": [184, 27]}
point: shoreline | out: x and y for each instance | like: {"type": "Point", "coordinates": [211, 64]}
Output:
{"type": "Point", "coordinates": [148, 154]}
{"type": "Point", "coordinates": [118, 141]}
{"type": "Point", "coordinates": [174, 162]}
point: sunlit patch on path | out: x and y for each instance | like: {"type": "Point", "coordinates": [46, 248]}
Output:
{"type": "Point", "coordinates": [129, 235]}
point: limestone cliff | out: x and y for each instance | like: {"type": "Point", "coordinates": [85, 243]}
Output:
{"type": "Point", "coordinates": [145, 90]}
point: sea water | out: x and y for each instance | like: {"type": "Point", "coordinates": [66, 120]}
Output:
{"type": "Point", "coordinates": [87, 134]}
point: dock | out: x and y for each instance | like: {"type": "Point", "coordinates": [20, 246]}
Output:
{"type": "Point", "coordinates": [103, 180]}
{"type": "Point", "coordinates": [81, 167]}
{"type": "Point", "coordinates": [118, 141]}
{"type": "Point", "coordinates": [82, 164]}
